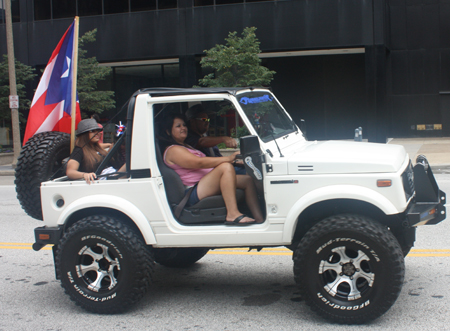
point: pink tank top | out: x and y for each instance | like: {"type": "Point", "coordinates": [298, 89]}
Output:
{"type": "Point", "coordinates": [189, 177]}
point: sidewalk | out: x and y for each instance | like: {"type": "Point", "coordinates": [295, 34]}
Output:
{"type": "Point", "coordinates": [437, 151]}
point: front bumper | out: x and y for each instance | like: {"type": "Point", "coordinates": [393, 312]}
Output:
{"type": "Point", "coordinates": [428, 206]}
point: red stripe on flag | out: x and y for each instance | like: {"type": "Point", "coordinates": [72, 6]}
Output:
{"type": "Point", "coordinates": [51, 117]}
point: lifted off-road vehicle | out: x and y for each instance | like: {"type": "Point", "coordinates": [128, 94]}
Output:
{"type": "Point", "coordinates": [348, 210]}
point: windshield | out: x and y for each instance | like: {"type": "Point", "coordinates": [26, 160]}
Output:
{"type": "Point", "coordinates": [266, 115]}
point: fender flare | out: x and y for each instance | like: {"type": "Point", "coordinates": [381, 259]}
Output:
{"type": "Point", "coordinates": [350, 192]}
{"type": "Point", "coordinates": [112, 202]}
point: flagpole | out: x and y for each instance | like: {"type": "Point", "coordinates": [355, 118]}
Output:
{"type": "Point", "coordinates": [74, 84]}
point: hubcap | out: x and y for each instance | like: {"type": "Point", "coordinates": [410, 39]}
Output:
{"type": "Point", "coordinates": [98, 267]}
{"type": "Point", "coordinates": [346, 273]}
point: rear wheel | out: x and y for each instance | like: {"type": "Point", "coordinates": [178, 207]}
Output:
{"type": "Point", "coordinates": [349, 268]}
{"type": "Point", "coordinates": [178, 257]}
{"type": "Point", "coordinates": [40, 160]}
{"type": "Point", "coordinates": [103, 265]}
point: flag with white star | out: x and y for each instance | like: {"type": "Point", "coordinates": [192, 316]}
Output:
{"type": "Point", "coordinates": [51, 106]}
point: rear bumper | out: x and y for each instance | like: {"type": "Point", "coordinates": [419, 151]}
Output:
{"type": "Point", "coordinates": [428, 206]}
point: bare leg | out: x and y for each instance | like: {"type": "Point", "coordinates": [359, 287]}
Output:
{"type": "Point", "coordinates": [222, 180]}
{"type": "Point", "coordinates": [245, 182]}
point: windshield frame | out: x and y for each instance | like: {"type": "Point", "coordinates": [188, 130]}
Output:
{"type": "Point", "coordinates": [263, 96]}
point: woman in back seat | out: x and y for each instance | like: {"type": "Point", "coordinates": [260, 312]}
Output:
{"type": "Point", "coordinates": [210, 175]}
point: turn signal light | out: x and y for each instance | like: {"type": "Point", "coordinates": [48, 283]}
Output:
{"type": "Point", "coordinates": [44, 236]}
{"type": "Point", "coordinates": [384, 182]}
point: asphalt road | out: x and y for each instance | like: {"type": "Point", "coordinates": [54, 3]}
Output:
{"type": "Point", "coordinates": [226, 290]}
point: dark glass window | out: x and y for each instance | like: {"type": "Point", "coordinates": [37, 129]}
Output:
{"type": "Point", "coordinates": [115, 6]}
{"type": "Point", "coordinates": [222, 2]}
{"type": "Point", "coordinates": [167, 4]}
{"type": "Point", "coordinates": [142, 5]}
{"type": "Point", "coordinates": [226, 2]}
{"type": "Point", "coordinates": [2, 12]}
{"type": "Point", "coordinates": [15, 10]}
{"type": "Point", "coordinates": [89, 7]}
{"type": "Point", "coordinates": [42, 10]}
{"type": "Point", "coordinates": [64, 9]}
{"type": "Point", "coordinates": [171, 74]}
{"type": "Point", "coordinates": [203, 2]}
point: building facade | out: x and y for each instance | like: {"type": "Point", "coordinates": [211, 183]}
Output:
{"type": "Point", "coordinates": [382, 65]}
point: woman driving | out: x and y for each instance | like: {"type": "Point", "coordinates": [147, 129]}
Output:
{"type": "Point", "coordinates": [210, 175]}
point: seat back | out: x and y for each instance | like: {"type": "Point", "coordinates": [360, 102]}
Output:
{"type": "Point", "coordinates": [175, 189]}
{"type": "Point", "coordinates": [210, 210]}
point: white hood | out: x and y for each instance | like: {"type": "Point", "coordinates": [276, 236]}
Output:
{"type": "Point", "coordinates": [346, 157]}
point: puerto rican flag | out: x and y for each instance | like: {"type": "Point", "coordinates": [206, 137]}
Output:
{"type": "Point", "coordinates": [51, 106]}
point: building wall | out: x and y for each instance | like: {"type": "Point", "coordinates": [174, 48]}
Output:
{"type": "Point", "coordinates": [282, 25]}
{"type": "Point", "coordinates": [327, 91]}
{"type": "Point", "coordinates": [418, 66]}
{"type": "Point", "coordinates": [400, 81]}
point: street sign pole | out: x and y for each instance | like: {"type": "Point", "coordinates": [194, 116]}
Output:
{"type": "Point", "coordinates": [12, 83]}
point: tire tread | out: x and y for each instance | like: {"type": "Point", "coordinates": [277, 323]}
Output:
{"type": "Point", "coordinates": [353, 224]}
{"type": "Point", "coordinates": [140, 254]}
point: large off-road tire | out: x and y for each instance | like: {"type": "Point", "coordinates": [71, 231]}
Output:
{"type": "Point", "coordinates": [103, 265]}
{"type": "Point", "coordinates": [40, 159]}
{"type": "Point", "coordinates": [349, 268]}
{"type": "Point", "coordinates": [178, 257]}
{"type": "Point", "coordinates": [406, 249]}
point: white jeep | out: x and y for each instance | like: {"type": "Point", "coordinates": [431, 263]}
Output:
{"type": "Point", "coordinates": [347, 210]}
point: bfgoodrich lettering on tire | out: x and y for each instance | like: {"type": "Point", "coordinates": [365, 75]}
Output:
{"type": "Point", "coordinates": [103, 265]}
{"type": "Point", "coordinates": [349, 268]}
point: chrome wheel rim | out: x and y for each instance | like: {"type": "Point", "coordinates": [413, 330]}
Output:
{"type": "Point", "coordinates": [98, 267]}
{"type": "Point", "coordinates": [347, 273]}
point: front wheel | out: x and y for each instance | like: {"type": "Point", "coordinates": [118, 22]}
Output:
{"type": "Point", "coordinates": [103, 265]}
{"type": "Point", "coordinates": [349, 268]}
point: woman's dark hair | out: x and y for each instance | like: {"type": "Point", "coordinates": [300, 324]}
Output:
{"type": "Point", "coordinates": [92, 152]}
{"type": "Point", "coordinates": [96, 117]}
{"type": "Point", "coordinates": [164, 128]}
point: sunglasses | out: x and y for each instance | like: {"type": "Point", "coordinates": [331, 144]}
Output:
{"type": "Point", "coordinates": [203, 119]}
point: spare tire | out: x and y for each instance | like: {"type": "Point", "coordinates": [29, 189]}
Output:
{"type": "Point", "coordinates": [41, 159]}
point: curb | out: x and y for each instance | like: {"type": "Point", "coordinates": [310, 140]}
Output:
{"type": "Point", "coordinates": [7, 170]}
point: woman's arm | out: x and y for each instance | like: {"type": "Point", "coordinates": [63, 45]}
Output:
{"type": "Point", "coordinates": [73, 173]}
{"type": "Point", "coordinates": [105, 146]}
{"type": "Point", "coordinates": [181, 156]}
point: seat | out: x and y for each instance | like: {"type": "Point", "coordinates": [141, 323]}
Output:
{"type": "Point", "coordinates": [210, 210]}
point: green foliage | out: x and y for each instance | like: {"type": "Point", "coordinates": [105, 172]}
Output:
{"type": "Point", "coordinates": [239, 131]}
{"type": "Point", "coordinates": [89, 74]}
{"type": "Point", "coordinates": [236, 64]}
{"type": "Point", "coordinates": [24, 74]}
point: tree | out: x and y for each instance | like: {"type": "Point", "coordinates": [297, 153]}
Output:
{"type": "Point", "coordinates": [89, 74]}
{"type": "Point", "coordinates": [236, 64]}
{"type": "Point", "coordinates": [24, 74]}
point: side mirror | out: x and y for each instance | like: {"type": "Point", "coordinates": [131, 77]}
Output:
{"type": "Point", "coordinates": [249, 144]}
{"type": "Point", "coordinates": [251, 154]}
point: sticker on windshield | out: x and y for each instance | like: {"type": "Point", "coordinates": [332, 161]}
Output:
{"type": "Point", "coordinates": [264, 98]}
